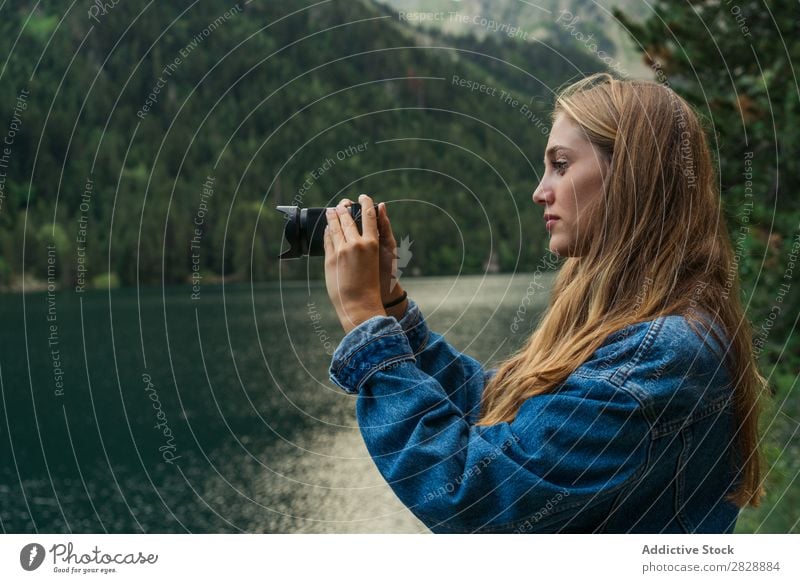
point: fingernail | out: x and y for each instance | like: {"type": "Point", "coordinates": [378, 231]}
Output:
{"type": "Point", "coordinates": [362, 196]}
{"type": "Point", "coordinates": [329, 212]}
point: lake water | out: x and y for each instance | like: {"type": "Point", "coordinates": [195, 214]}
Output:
{"type": "Point", "coordinates": [151, 411]}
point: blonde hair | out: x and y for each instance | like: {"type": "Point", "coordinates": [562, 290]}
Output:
{"type": "Point", "coordinates": [662, 248]}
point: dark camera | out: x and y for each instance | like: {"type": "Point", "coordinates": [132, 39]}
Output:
{"type": "Point", "coordinates": [305, 229]}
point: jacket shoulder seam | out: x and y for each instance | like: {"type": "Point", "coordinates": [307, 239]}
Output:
{"type": "Point", "coordinates": [620, 375]}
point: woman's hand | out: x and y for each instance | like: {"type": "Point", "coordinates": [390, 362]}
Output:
{"type": "Point", "coordinates": [352, 265]}
{"type": "Point", "coordinates": [389, 286]}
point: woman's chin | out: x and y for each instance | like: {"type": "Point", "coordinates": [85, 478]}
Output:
{"type": "Point", "coordinates": [561, 248]}
{"type": "Point", "coordinates": [555, 246]}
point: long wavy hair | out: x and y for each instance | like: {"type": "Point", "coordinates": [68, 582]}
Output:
{"type": "Point", "coordinates": [662, 247]}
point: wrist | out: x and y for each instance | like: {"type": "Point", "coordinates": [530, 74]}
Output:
{"type": "Point", "coordinates": [397, 311]}
{"type": "Point", "coordinates": [395, 293]}
{"type": "Point", "coordinates": [355, 317]}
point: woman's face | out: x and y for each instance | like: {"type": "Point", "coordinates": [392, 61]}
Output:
{"type": "Point", "coordinates": [573, 178]}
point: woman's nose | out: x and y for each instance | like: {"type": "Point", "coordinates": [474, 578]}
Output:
{"type": "Point", "coordinates": [541, 194]}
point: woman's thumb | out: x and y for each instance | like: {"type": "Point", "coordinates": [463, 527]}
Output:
{"type": "Point", "coordinates": [385, 225]}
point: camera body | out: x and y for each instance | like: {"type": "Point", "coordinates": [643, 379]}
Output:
{"type": "Point", "coordinates": [305, 229]}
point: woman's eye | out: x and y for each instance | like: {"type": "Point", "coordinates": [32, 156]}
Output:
{"type": "Point", "coordinates": [560, 165]}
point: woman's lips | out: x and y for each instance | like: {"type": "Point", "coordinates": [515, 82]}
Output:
{"type": "Point", "coordinates": [550, 223]}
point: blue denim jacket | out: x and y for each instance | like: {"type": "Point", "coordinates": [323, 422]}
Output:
{"type": "Point", "coordinates": [634, 440]}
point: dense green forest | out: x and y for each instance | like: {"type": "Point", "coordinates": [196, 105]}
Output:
{"type": "Point", "coordinates": [143, 146]}
{"type": "Point", "coordinates": [136, 122]}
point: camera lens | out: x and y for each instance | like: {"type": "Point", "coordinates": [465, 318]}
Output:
{"type": "Point", "coordinates": [305, 229]}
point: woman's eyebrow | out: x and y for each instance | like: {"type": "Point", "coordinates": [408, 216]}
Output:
{"type": "Point", "coordinates": [552, 149]}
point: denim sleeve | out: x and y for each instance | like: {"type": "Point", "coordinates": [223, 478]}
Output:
{"type": "Point", "coordinates": [462, 377]}
{"type": "Point", "coordinates": [565, 452]}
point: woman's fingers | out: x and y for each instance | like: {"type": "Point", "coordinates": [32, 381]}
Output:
{"type": "Point", "coordinates": [384, 224]}
{"type": "Point", "coordinates": [334, 229]}
{"type": "Point", "coordinates": [369, 220]}
{"type": "Point", "coordinates": [349, 229]}
{"type": "Point", "coordinates": [326, 238]}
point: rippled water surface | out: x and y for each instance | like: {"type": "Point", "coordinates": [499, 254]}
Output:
{"type": "Point", "coordinates": [154, 412]}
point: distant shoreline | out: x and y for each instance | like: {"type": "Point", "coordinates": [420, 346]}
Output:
{"type": "Point", "coordinates": [34, 285]}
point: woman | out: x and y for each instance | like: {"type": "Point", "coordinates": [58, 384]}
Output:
{"type": "Point", "coordinates": [633, 407]}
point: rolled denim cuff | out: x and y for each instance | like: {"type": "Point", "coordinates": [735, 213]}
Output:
{"type": "Point", "coordinates": [415, 327]}
{"type": "Point", "coordinates": [371, 346]}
